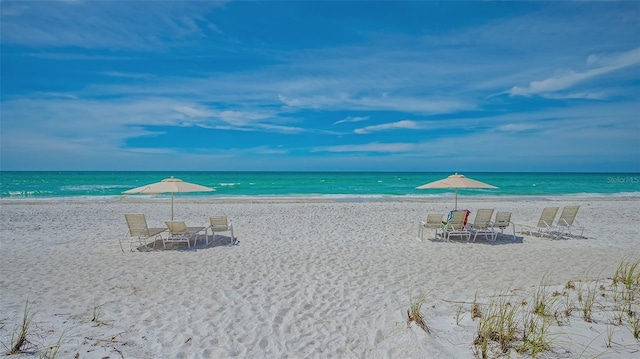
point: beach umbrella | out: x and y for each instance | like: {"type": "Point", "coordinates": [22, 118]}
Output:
{"type": "Point", "coordinates": [169, 185]}
{"type": "Point", "coordinates": [456, 181]}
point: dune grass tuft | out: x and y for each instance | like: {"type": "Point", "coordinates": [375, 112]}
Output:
{"type": "Point", "coordinates": [628, 274]}
{"type": "Point", "coordinates": [509, 324]}
{"type": "Point", "coordinates": [475, 308]}
{"type": "Point", "coordinates": [19, 339]}
{"type": "Point", "coordinates": [414, 313]}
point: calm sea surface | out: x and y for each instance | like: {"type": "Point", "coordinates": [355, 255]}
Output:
{"type": "Point", "coordinates": [110, 185]}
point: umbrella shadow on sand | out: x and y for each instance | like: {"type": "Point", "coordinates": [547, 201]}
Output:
{"type": "Point", "coordinates": [201, 243]}
{"type": "Point", "coordinates": [501, 239]}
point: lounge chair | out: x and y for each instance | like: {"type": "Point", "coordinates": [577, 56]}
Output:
{"type": "Point", "coordinates": [456, 225]}
{"type": "Point", "coordinates": [503, 220]}
{"type": "Point", "coordinates": [219, 224]}
{"type": "Point", "coordinates": [482, 225]}
{"type": "Point", "coordinates": [138, 230]}
{"type": "Point", "coordinates": [567, 221]}
{"type": "Point", "coordinates": [545, 223]}
{"type": "Point", "coordinates": [179, 232]}
{"type": "Point", "coordinates": [433, 221]}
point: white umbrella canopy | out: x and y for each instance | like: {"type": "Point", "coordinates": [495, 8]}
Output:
{"type": "Point", "coordinates": [456, 181]}
{"type": "Point", "coordinates": [169, 185]}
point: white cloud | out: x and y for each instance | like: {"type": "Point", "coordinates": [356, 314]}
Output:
{"type": "Point", "coordinates": [352, 119]}
{"type": "Point", "coordinates": [129, 75]}
{"type": "Point", "coordinates": [405, 124]}
{"type": "Point", "coordinates": [289, 102]}
{"type": "Point", "coordinates": [516, 127]}
{"type": "Point", "coordinates": [370, 147]}
{"type": "Point", "coordinates": [139, 25]}
{"type": "Point", "coordinates": [570, 79]}
{"type": "Point", "coordinates": [191, 111]}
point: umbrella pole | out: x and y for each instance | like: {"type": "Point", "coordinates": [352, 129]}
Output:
{"type": "Point", "coordinates": [456, 205]}
{"type": "Point", "coordinates": [172, 206]}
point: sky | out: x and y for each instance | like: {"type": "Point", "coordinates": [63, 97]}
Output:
{"type": "Point", "coordinates": [320, 86]}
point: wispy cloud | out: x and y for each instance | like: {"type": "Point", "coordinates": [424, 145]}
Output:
{"type": "Point", "coordinates": [369, 147]}
{"type": "Point", "coordinates": [104, 25]}
{"type": "Point", "coordinates": [603, 64]}
{"type": "Point", "coordinates": [517, 127]}
{"type": "Point", "coordinates": [349, 119]}
{"type": "Point", "coordinates": [129, 75]}
{"type": "Point", "coordinates": [404, 125]}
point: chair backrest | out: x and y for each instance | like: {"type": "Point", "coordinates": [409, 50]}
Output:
{"type": "Point", "coordinates": [457, 220]}
{"type": "Point", "coordinates": [568, 215]}
{"type": "Point", "coordinates": [502, 219]}
{"type": "Point", "coordinates": [177, 228]}
{"type": "Point", "coordinates": [219, 222]}
{"type": "Point", "coordinates": [137, 224]}
{"type": "Point", "coordinates": [434, 220]}
{"type": "Point", "coordinates": [483, 218]}
{"type": "Point", "coordinates": [547, 216]}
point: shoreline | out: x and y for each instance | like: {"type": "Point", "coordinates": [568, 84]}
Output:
{"type": "Point", "coordinates": [321, 198]}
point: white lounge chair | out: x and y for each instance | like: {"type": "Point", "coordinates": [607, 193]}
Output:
{"type": "Point", "coordinates": [545, 223]}
{"type": "Point", "coordinates": [433, 221]}
{"type": "Point", "coordinates": [138, 230]}
{"type": "Point", "coordinates": [179, 232]}
{"type": "Point", "coordinates": [482, 225]}
{"type": "Point", "coordinates": [456, 225]}
{"type": "Point", "coordinates": [567, 221]}
{"type": "Point", "coordinates": [219, 224]}
{"type": "Point", "coordinates": [503, 220]}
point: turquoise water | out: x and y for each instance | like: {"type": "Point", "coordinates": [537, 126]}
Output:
{"type": "Point", "coordinates": [110, 185]}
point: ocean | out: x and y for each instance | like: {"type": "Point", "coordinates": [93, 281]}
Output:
{"type": "Point", "coordinates": [70, 185]}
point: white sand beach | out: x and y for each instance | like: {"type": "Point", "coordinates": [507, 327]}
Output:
{"type": "Point", "coordinates": [310, 279]}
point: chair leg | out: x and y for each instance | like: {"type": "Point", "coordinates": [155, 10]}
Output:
{"type": "Point", "coordinates": [233, 239]}
{"type": "Point", "coordinates": [121, 247]}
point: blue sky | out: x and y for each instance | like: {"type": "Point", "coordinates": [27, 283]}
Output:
{"type": "Point", "coordinates": [338, 85]}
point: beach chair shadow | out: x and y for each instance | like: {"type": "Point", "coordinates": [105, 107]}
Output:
{"type": "Point", "coordinates": [200, 243]}
{"type": "Point", "coordinates": [501, 240]}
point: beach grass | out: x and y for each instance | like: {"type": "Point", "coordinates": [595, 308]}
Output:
{"type": "Point", "coordinates": [52, 351]}
{"type": "Point", "coordinates": [531, 334]}
{"type": "Point", "coordinates": [511, 324]}
{"type": "Point", "coordinates": [628, 274]}
{"type": "Point", "coordinates": [414, 313]}
{"type": "Point", "coordinates": [589, 299]}
{"type": "Point", "coordinates": [19, 339]}
{"type": "Point", "coordinates": [543, 300]}
{"type": "Point", "coordinates": [475, 307]}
